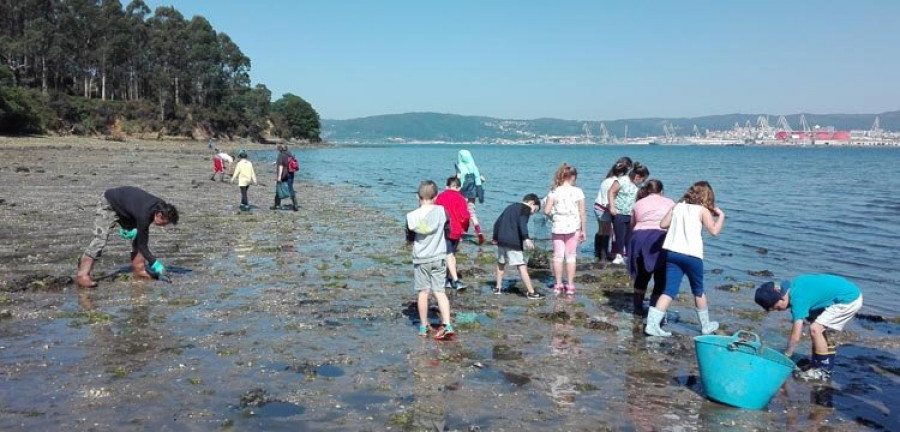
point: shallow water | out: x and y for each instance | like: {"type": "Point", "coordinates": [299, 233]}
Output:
{"type": "Point", "coordinates": [789, 210]}
{"type": "Point", "coordinates": [310, 312]}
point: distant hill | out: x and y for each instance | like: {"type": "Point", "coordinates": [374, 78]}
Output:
{"type": "Point", "coordinates": [459, 128]}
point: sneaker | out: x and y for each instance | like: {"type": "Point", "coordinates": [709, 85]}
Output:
{"type": "Point", "coordinates": [480, 238]}
{"type": "Point", "coordinates": [447, 283]}
{"type": "Point", "coordinates": [570, 288]}
{"type": "Point", "coordinates": [423, 331]}
{"type": "Point", "coordinates": [498, 290]}
{"type": "Point", "coordinates": [535, 295]}
{"type": "Point", "coordinates": [458, 285]}
{"type": "Point", "coordinates": [619, 260]}
{"type": "Point", "coordinates": [558, 289]}
{"type": "Point", "coordinates": [813, 374]}
{"type": "Point", "coordinates": [446, 332]}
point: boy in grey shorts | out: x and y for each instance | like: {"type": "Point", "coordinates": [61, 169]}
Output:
{"type": "Point", "coordinates": [511, 236]}
{"type": "Point", "coordinates": [426, 227]}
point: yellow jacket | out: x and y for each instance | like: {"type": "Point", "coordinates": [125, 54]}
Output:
{"type": "Point", "coordinates": [243, 172]}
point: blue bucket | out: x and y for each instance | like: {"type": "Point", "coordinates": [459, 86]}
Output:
{"type": "Point", "coordinates": [737, 370]}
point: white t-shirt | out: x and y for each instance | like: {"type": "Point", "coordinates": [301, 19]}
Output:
{"type": "Point", "coordinates": [685, 233]}
{"type": "Point", "coordinates": [565, 214]}
{"type": "Point", "coordinates": [603, 195]}
{"type": "Point", "coordinates": [225, 157]}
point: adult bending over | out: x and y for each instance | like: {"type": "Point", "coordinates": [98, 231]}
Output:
{"type": "Point", "coordinates": [133, 209]}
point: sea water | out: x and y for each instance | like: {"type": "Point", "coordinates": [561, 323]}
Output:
{"type": "Point", "coordinates": [788, 210]}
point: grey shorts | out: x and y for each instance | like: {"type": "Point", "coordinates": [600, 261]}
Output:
{"type": "Point", "coordinates": [430, 276]}
{"type": "Point", "coordinates": [510, 256]}
{"type": "Point", "coordinates": [105, 219]}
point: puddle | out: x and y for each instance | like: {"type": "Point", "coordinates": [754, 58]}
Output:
{"type": "Point", "coordinates": [278, 409]}
{"type": "Point", "coordinates": [329, 371]}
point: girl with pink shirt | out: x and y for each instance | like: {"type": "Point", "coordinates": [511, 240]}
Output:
{"type": "Point", "coordinates": [565, 206]}
{"type": "Point", "coordinates": [646, 257]}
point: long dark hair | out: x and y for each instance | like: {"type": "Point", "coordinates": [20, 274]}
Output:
{"type": "Point", "coordinates": [620, 168]}
{"type": "Point", "coordinates": [650, 187]}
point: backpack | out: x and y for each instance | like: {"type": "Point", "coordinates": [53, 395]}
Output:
{"type": "Point", "coordinates": [292, 164]}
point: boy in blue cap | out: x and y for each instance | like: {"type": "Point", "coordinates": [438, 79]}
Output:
{"type": "Point", "coordinates": [828, 302]}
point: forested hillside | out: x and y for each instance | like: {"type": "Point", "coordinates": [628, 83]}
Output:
{"type": "Point", "coordinates": [96, 67]}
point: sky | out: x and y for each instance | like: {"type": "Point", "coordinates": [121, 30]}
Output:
{"type": "Point", "coordinates": [568, 59]}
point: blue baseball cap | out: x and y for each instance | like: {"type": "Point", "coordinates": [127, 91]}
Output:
{"type": "Point", "coordinates": [770, 293]}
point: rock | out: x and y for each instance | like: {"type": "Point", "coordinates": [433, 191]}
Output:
{"type": "Point", "coordinates": [516, 378]}
{"type": "Point", "coordinates": [5, 313]}
{"type": "Point", "coordinates": [596, 324]}
{"type": "Point", "coordinates": [587, 278]}
{"type": "Point", "coordinates": [762, 251]}
{"type": "Point", "coordinates": [559, 316]}
{"type": "Point", "coordinates": [505, 353]}
{"type": "Point", "coordinates": [254, 398]}
{"type": "Point", "coordinates": [717, 271]}
{"type": "Point", "coordinates": [729, 288]}
{"type": "Point", "coordinates": [761, 273]}
{"type": "Point", "coordinates": [22, 169]}
{"type": "Point", "coordinates": [540, 259]}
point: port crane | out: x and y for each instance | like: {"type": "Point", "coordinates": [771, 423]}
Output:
{"type": "Point", "coordinates": [876, 131]}
{"type": "Point", "coordinates": [669, 130]}
{"type": "Point", "coordinates": [804, 126]}
{"type": "Point", "coordinates": [587, 130]}
{"type": "Point", "coordinates": [763, 129]}
{"type": "Point", "coordinates": [604, 133]}
{"type": "Point", "coordinates": [783, 125]}
{"type": "Point", "coordinates": [696, 132]}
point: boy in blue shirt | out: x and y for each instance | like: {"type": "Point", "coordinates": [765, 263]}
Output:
{"type": "Point", "coordinates": [828, 302]}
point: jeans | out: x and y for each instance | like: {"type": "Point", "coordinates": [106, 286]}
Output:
{"type": "Point", "coordinates": [677, 266]}
{"type": "Point", "coordinates": [244, 200]}
{"type": "Point", "coordinates": [622, 229]}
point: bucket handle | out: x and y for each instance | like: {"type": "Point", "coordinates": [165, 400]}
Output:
{"type": "Point", "coordinates": [743, 337]}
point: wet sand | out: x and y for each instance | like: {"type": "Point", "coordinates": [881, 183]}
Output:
{"type": "Point", "coordinates": [303, 320]}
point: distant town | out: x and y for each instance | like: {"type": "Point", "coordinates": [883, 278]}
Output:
{"type": "Point", "coordinates": [762, 133]}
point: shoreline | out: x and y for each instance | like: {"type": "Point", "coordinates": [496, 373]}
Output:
{"type": "Point", "coordinates": [308, 314]}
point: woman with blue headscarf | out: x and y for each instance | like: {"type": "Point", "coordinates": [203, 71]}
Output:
{"type": "Point", "coordinates": [471, 180]}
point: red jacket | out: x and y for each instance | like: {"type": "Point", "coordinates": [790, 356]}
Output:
{"type": "Point", "coordinates": [457, 212]}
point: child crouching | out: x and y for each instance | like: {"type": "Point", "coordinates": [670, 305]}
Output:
{"type": "Point", "coordinates": [828, 302]}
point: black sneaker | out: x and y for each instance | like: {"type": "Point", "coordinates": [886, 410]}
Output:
{"type": "Point", "coordinates": [458, 285]}
{"type": "Point", "coordinates": [535, 295]}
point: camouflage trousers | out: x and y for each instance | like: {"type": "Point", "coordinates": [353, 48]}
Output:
{"type": "Point", "coordinates": [105, 219]}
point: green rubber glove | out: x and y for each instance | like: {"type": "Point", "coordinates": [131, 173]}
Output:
{"type": "Point", "coordinates": [158, 268]}
{"type": "Point", "coordinates": [128, 234]}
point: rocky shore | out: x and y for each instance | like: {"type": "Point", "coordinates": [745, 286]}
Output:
{"type": "Point", "coordinates": [303, 321]}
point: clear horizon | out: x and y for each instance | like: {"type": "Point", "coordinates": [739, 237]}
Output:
{"type": "Point", "coordinates": [579, 60]}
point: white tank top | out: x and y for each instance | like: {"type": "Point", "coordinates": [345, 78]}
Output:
{"type": "Point", "coordinates": [685, 230]}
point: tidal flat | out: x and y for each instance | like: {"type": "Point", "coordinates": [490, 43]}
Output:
{"type": "Point", "coordinates": [281, 320]}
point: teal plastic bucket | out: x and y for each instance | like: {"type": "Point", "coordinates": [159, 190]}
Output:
{"type": "Point", "coordinates": [738, 370]}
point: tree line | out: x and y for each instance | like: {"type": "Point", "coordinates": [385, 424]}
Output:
{"type": "Point", "coordinates": [96, 67]}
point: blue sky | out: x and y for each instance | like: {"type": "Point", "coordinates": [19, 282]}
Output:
{"type": "Point", "coordinates": [580, 60]}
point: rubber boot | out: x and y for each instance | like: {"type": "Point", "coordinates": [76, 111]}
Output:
{"type": "Point", "coordinates": [139, 267]}
{"type": "Point", "coordinates": [83, 276]}
{"type": "Point", "coordinates": [598, 247]}
{"type": "Point", "coordinates": [277, 205]}
{"type": "Point", "coordinates": [294, 201]}
{"type": "Point", "coordinates": [637, 301]}
{"type": "Point", "coordinates": [706, 326]}
{"type": "Point", "coordinates": [654, 316]}
{"type": "Point", "coordinates": [604, 240]}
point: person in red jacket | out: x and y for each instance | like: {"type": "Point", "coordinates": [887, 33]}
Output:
{"type": "Point", "coordinates": [455, 205]}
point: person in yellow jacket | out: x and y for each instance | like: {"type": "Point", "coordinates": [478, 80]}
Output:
{"type": "Point", "coordinates": [244, 174]}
